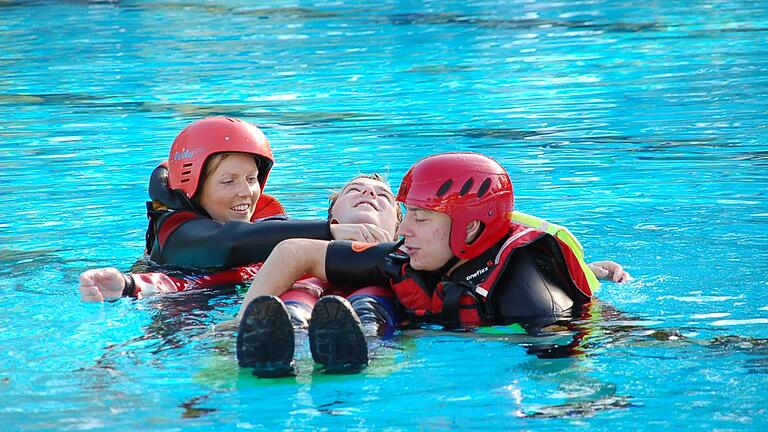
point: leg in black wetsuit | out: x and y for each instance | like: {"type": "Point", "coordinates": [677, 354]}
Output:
{"type": "Point", "coordinates": [336, 337]}
{"type": "Point", "coordinates": [340, 331]}
{"type": "Point", "coordinates": [377, 315]}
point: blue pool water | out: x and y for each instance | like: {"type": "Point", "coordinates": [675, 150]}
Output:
{"type": "Point", "coordinates": [639, 125]}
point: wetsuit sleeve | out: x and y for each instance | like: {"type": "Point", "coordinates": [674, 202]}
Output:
{"type": "Point", "coordinates": [206, 243]}
{"type": "Point", "coordinates": [357, 264]}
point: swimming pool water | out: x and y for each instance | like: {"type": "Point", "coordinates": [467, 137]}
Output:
{"type": "Point", "coordinates": [641, 127]}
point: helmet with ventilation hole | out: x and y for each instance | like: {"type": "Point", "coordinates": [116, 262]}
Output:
{"type": "Point", "coordinates": [466, 187]}
{"type": "Point", "coordinates": [207, 137]}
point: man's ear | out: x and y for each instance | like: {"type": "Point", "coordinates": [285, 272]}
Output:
{"type": "Point", "coordinates": [473, 230]}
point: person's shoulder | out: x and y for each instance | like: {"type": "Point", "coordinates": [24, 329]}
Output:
{"type": "Point", "coordinates": [171, 221]}
{"type": "Point", "coordinates": [177, 217]}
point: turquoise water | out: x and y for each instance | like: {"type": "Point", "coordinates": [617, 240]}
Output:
{"type": "Point", "coordinates": [640, 127]}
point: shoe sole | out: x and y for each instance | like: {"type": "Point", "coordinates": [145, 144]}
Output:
{"type": "Point", "coordinates": [336, 337]}
{"type": "Point", "coordinates": [265, 339]}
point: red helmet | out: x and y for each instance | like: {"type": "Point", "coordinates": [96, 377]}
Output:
{"type": "Point", "coordinates": [204, 138]}
{"type": "Point", "coordinates": [466, 187]}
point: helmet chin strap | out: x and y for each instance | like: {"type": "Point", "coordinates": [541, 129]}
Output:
{"type": "Point", "coordinates": [446, 268]}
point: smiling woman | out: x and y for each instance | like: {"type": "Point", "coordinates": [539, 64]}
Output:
{"type": "Point", "coordinates": [232, 188]}
{"type": "Point", "coordinates": [204, 208]}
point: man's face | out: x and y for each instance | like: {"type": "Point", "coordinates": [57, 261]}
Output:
{"type": "Point", "coordinates": [365, 200]}
{"type": "Point", "coordinates": [427, 234]}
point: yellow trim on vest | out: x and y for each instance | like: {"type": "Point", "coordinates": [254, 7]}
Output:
{"type": "Point", "coordinates": [563, 234]}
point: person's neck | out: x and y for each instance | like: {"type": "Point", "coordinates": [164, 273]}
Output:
{"type": "Point", "coordinates": [453, 263]}
{"type": "Point", "coordinates": [333, 220]}
{"type": "Point", "coordinates": [457, 263]}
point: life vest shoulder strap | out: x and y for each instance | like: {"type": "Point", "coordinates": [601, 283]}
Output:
{"type": "Point", "coordinates": [168, 224]}
{"type": "Point", "coordinates": [521, 236]}
{"type": "Point", "coordinates": [565, 236]}
{"type": "Point", "coordinates": [458, 305]}
{"type": "Point", "coordinates": [558, 231]}
{"type": "Point", "coordinates": [578, 270]}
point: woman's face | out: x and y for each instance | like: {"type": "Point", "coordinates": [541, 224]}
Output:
{"type": "Point", "coordinates": [365, 200]}
{"type": "Point", "coordinates": [230, 192]}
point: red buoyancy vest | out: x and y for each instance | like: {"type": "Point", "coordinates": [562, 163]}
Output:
{"type": "Point", "coordinates": [306, 290]}
{"type": "Point", "coordinates": [423, 301]}
{"type": "Point", "coordinates": [267, 206]}
{"type": "Point", "coordinates": [154, 283]}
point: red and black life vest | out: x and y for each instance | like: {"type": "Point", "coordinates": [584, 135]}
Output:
{"type": "Point", "coordinates": [467, 303]}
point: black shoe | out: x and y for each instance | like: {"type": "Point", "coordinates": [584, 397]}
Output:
{"type": "Point", "coordinates": [265, 338]}
{"type": "Point", "coordinates": [336, 337]}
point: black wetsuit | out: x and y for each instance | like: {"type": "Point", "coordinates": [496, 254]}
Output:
{"type": "Point", "coordinates": [187, 239]}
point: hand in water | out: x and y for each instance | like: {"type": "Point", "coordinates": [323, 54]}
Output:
{"type": "Point", "coordinates": [609, 270]}
{"type": "Point", "coordinates": [99, 284]}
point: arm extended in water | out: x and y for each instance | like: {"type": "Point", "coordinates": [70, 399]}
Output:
{"type": "Point", "coordinates": [109, 283]}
